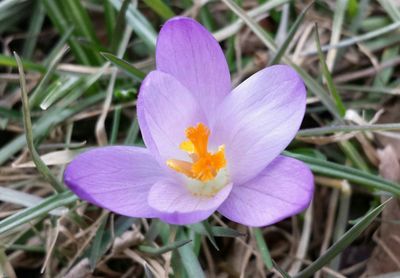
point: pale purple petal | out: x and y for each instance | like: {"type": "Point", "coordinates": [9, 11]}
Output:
{"type": "Point", "coordinates": [186, 50]}
{"type": "Point", "coordinates": [165, 110]}
{"type": "Point", "coordinates": [283, 189]}
{"type": "Point", "coordinates": [258, 120]}
{"type": "Point", "coordinates": [115, 178]}
{"type": "Point", "coordinates": [176, 205]}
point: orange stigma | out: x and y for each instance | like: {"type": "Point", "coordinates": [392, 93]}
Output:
{"type": "Point", "coordinates": [205, 165]}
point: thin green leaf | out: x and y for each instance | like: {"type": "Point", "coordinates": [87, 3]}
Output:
{"type": "Point", "coordinates": [164, 249]}
{"type": "Point", "coordinates": [35, 25]}
{"type": "Point", "coordinates": [160, 8]}
{"type": "Point", "coordinates": [280, 270]}
{"type": "Point", "coordinates": [189, 259]}
{"type": "Point", "coordinates": [262, 246]}
{"type": "Point", "coordinates": [96, 245]}
{"type": "Point", "coordinates": [40, 165]}
{"type": "Point", "coordinates": [125, 66]}
{"type": "Point", "coordinates": [282, 49]}
{"type": "Point", "coordinates": [348, 128]}
{"type": "Point", "coordinates": [37, 93]}
{"type": "Point", "coordinates": [29, 214]}
{"type": "Point", "coordinates": [328, 77]}
{"type": "Point", "coordinates": [342, 243]}
{"type": "Point", "coordinates": [139, 24]}
{"type": "Point", "coordinates": [331, 169]}
{"type": "Point", "coordinates": [204, 228]}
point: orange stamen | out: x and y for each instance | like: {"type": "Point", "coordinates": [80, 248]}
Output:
{"type": "Point", "coordinates": [205, 165]}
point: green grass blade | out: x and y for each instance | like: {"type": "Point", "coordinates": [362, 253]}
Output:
{"type": "Point", "coordinates": [125, 66]}
{"type": "Point", "coordinates": [9, 61]}
{"type": "Point", "coordinates": [40, 165]}
{"type": "Point", "coordinates": [96, 245]}
{"type": "Point", "coordinates": [348, 128]}
{"type": "Point", "coordinates": [262, 246]}
{"type": "Point", "coordinates": [35, 97]}
{"type": "Point", "coordinates": [339, 171]}
{"type": "Point", "coordinates": [47, 205]}
{"type": "Point", "coordinates": [35, 25]}
{"type": "Point", "coordinates": [282, 49]}
{"type": "Point", "coordinates": [328, 77]}
{"type": "Point", "coordinates": [57, 18]}
{"type": "Point", "coordinates": [189, 259]}
{"type": "Point", "coordinates": [139, 24]}
{"type": "Point", "coordinates": [342, 243]}
{"type": "Point", "coordinates": [164, 249]}
{"type": "Point", "coordinates": [160, 8]}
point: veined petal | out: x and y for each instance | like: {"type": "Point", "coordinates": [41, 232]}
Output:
{"type": "Point", "coordinates": [165, 110]}
{"type": "Point", "coordinates": [176, 205]}
{"type": "Point", "coordinates": [186, 50]}
{"type": "Point", "coordinates": [116, 178]}
{"type": "Point", "coordinates": [258, 120]}
{"type": "Point", "coordinates": [284, 188]}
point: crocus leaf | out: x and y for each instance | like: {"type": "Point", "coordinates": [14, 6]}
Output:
{"type": "Point", "coordinates": [262, 246]}
{"type": "Point", "coordinates": [342, 243]}
{"type": "Point", "coordinates": [329, 80]}
{"type": "Point", "coordinates": [164, 249]}
{"type": "Point", "coordinates": [189, 259]}
{"type": "Point", "coordinates": [332, 169]}
{"type": "Point", "coordinates": [96, 244]}
{"type": "Point", "coordinates": [33, 212]}
{"type": "Point", "coordinates": [204, 228]}
{"type": "Point", "coordinates": [125, 66]}
{"type": "Point", "coordinates": [282, 49]}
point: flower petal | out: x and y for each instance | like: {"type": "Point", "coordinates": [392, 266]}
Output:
{"type": "Point", "coordinates": [186, 50]}
{"type": "Point", "coordinates": [176, 205]}
{"type": "Point", "coordinates": [165, 109]}
{"type": "Point", "coordinates": [258, 120]}
{"type": "Point", "coordinates": [283, 189]}
{"type": "Point", "coordinates": [115, 178]}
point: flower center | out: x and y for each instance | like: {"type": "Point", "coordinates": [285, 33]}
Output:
{"type": "Point", "coordinates": [205, 165]}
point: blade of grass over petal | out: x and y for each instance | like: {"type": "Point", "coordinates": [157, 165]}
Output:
{"type": "Point", "coordinates": [282, 49]}
{"type": "Point", "coordinates": [125, 66]}
{"type": "Point", "coordinates": [312, 85]}
{"type": "Point", "coordinates": [263, 248]}
{"type": "Point", "coordinates": [29, 214]}
{"type": "Point", "coordinates": [356, 176]}
{"type": "Point", "coordinates": [40, 165]}
{"type": "Point", "coordinates": [328, 77]}
{"type": "Point", "coordinates": [342, 243]}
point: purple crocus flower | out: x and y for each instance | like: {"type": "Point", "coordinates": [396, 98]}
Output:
{"type": "Point", "coordinates": [209, 148]}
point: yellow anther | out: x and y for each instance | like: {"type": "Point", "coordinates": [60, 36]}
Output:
{"type": "Point", "coordinates": [205, 165]}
